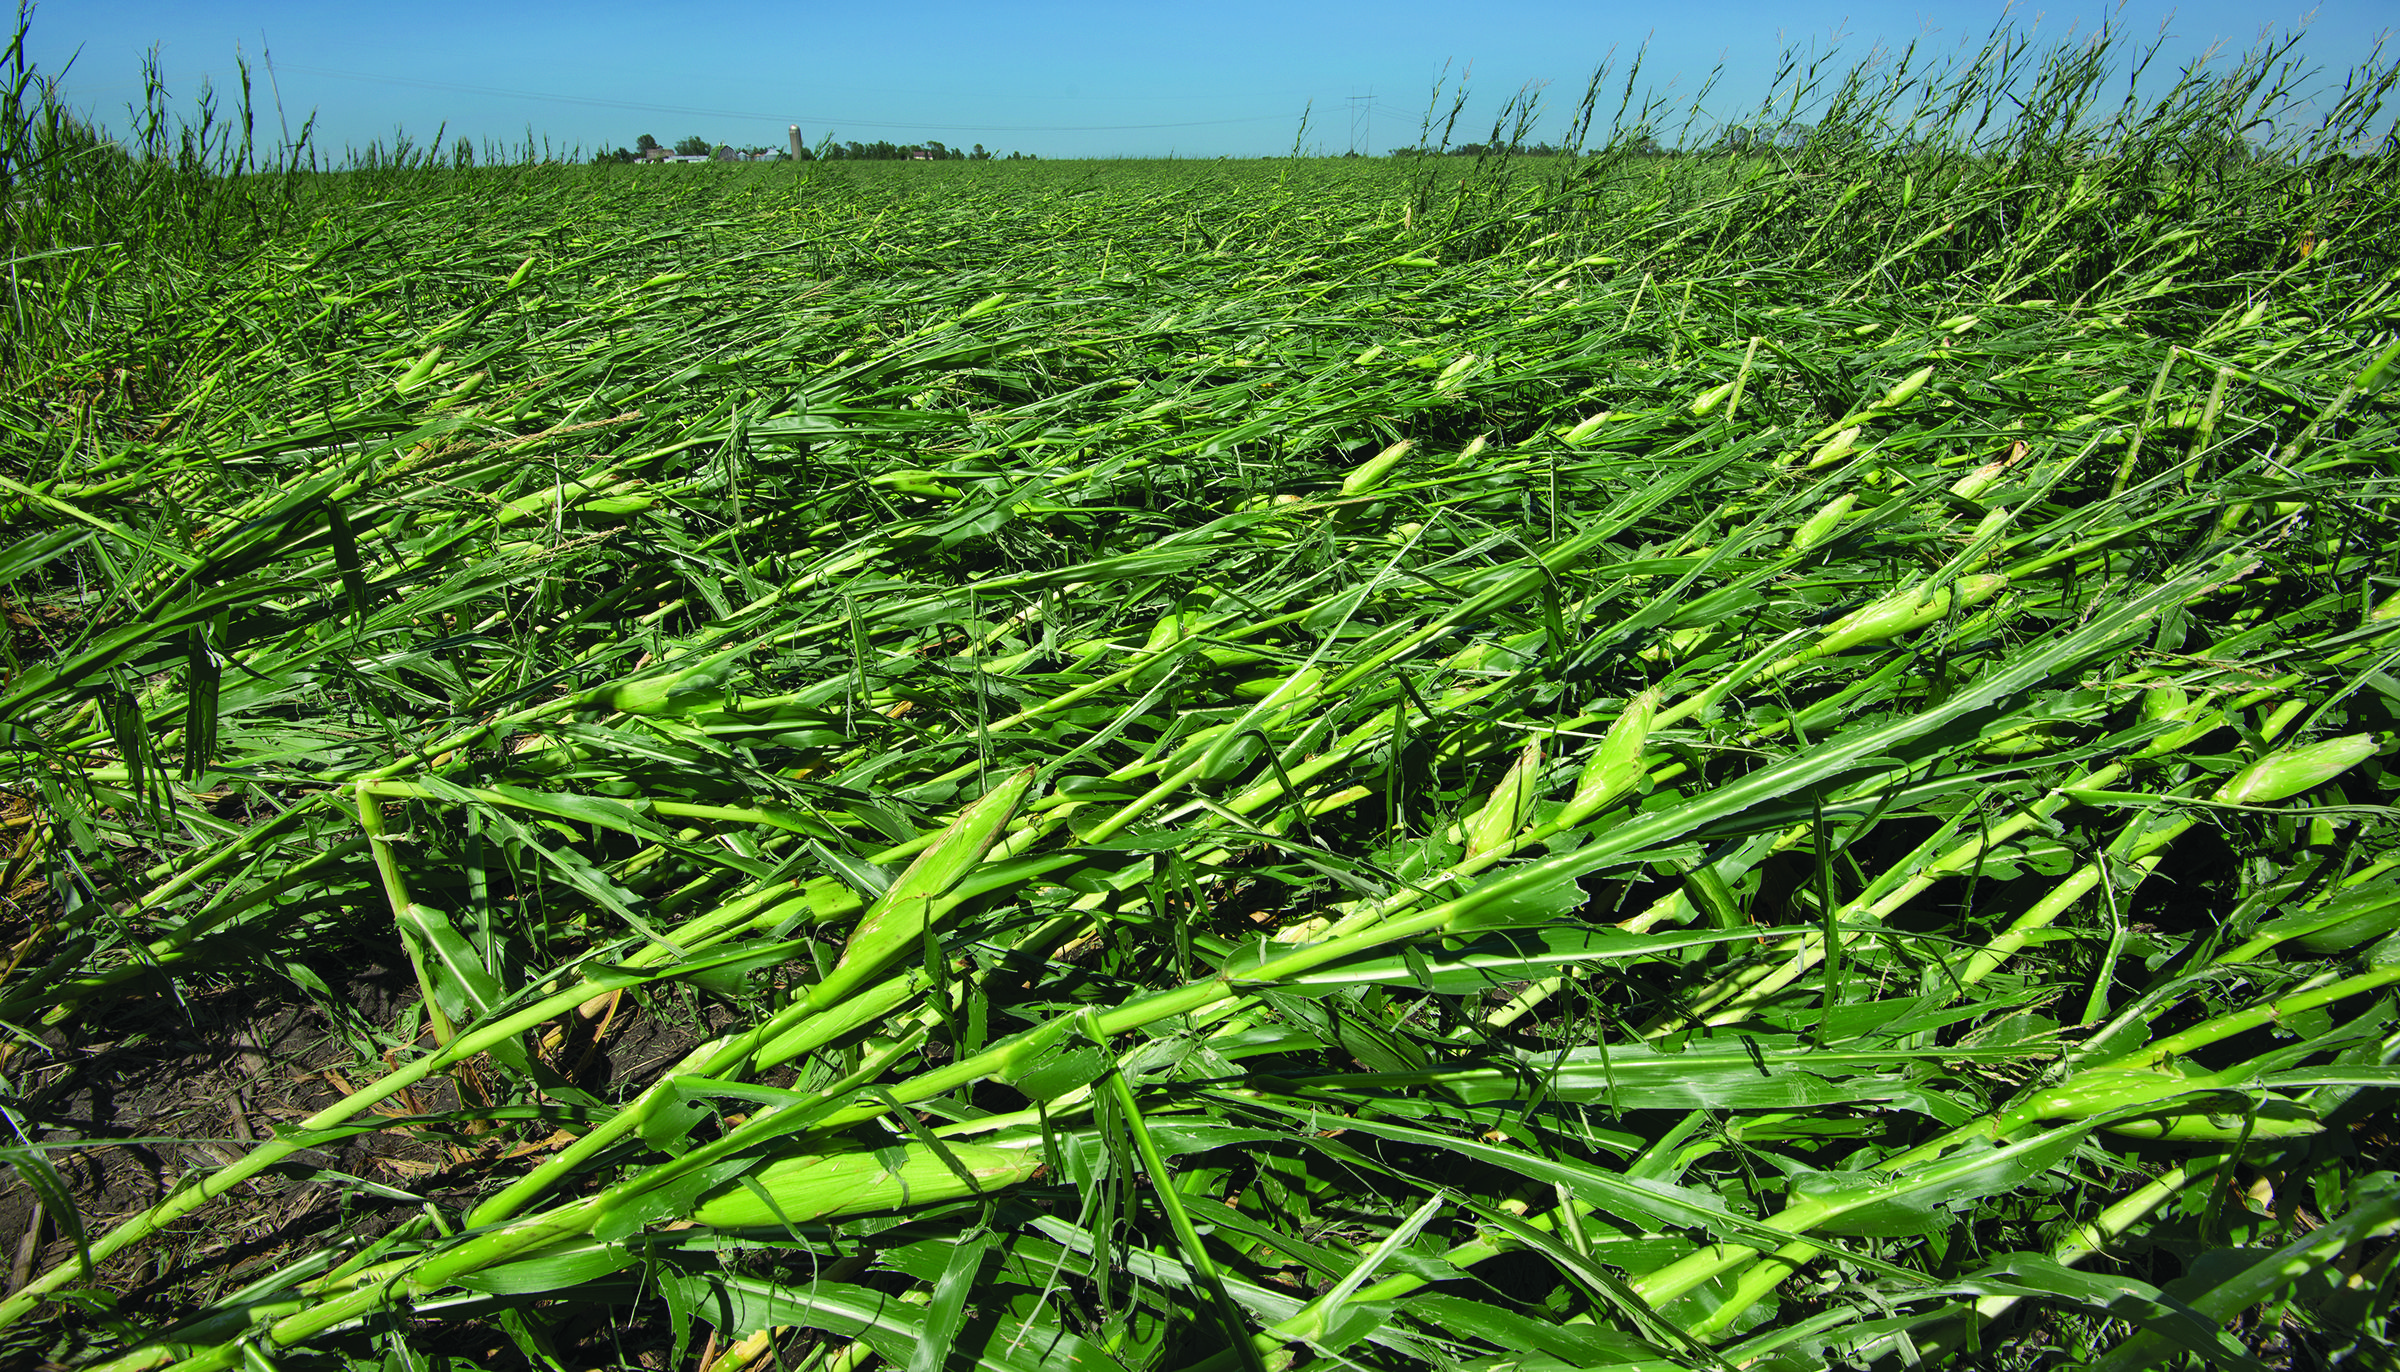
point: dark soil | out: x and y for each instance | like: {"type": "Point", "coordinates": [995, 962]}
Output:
{"type": "Point", "coordinates": [147, 1089]}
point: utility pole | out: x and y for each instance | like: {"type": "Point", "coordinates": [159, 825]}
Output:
{"type": "Point", "coordinates": [1362, 123]}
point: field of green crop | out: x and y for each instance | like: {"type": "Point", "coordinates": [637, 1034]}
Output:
{"type": "Point", "coordinates": [1770, 758]}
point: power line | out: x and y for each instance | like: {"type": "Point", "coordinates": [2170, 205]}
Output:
{"type": "Point", "coordinates": [1362, 122]}
{"type": "Point", "coordinates": [816, 119]}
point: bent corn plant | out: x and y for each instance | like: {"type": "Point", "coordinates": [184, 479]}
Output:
{"type": "Point", "coordinates": [1654, 758]}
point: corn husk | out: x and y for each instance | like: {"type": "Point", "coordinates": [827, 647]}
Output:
{"type": "Point", "coordinates": [821, 1186]}
{"type": "Point", "coordinates": [2288, 773]}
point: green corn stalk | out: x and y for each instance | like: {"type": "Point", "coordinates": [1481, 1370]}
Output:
{"type": "Point", "coordinates": [890, 929]}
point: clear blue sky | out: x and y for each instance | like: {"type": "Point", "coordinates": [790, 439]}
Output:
{"type": "Point", "coordinates": [1057, 79]}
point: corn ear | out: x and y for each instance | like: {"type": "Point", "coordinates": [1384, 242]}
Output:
{"type": "Point", "coordinates": [1169, 631]}
{"type": "Point", "coordinates": [1983, 478]}
{"type": "Point", "coordinates": [2102, 1089]}
{"type": "Point", "coordinates": [1909, 386]}
{"type": "Point", "coordinates": [1584, 429]}
{"type": "Point", "coordinates": [1994, 520]}
{"type": "Point", "coordinates": [2288, 773]}
{"type": "Point", "coordinates": [464, 390]}
{"type": "Point", "coordinates": [539, 504]}
{"type": "Point", "coordinates": [2173, 703]}
{"type": "Point", "coordinates": [1222, 655]}
{"type": "Point", "coordinates": [1906, 609]}
{"type": "Point", "coordinates": [983, 307]}
{"type": "Point", "coordinates": [2031, 738]}
{"type": "Point", "coordinates": [1615, 767]}
{"type": "Point", "coordinates": [1820, 525]}
{"type": "Point", "coordinates": [701, 684]}
{"type": "Point", "coordinates": [821, 1186]}
{"type": "Point", "coordinates": [1835, 448]}
{"type": "Point", "coordinates": [896, 921]}
{"type": "Point", "coordinates": [917, 483]}
{"type": "Point", "coordinates": [418, 374]}
{"type": "Point", "coordinates": [1510, 806]}
{"type": "Point", "coordinates": [2165, 702]}
{"type": "Point", "coordinates": [1371, 472]}
{"type": "Point", "coordinates": [624, 498]}
{"type": "Point", "coordinates": [1711, 398]}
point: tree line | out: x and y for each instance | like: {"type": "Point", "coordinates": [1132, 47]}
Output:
{"type": "Point", "coordinates": [931, 149]}
{"type": "Point", "coordinates": [646, 147]}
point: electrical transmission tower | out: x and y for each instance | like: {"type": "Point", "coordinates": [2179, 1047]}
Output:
{"type": "Point", "coordinates": [1362, 124]}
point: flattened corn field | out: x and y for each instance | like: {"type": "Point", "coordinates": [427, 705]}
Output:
{"type": "Point", "coordinates": [1641, 761]}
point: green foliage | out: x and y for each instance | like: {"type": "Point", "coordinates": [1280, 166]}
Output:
{"type": "Point", "coordinates": [1584, 761]}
